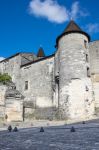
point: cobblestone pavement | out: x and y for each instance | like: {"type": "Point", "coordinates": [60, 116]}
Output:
{"type": "Point", "coordinates": [86, 137]}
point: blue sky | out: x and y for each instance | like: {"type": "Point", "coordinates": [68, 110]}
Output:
{"type": "Point", "coordinates": [27, 24]}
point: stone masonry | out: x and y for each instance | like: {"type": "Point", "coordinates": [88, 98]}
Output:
{"type": "Point", "coordinates": [61, 86]}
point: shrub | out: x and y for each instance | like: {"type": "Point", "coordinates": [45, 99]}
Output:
{"type": "Point", "coordinates": [4, 78]}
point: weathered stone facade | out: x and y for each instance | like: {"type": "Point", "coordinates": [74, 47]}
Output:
{"type": "Point", "coordinates": [73, 78]}
{"type": "Point", "coordinates": [61, 86]}
{"type": "Point", "coordinates": [94, 63]}
{"type": "Point", "coordinates": [11, 103]}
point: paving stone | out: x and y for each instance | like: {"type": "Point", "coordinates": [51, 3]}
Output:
{"type": "Point", "coordinates": [86, 137]}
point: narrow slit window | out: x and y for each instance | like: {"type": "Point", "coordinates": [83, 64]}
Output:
{"type": "Point", "coordinates": [26, 85]}
{"type": "Point", "coordinates": [85, 43]}
{"type": "Point", "coordinates": [88, 72]}
{"type": "Point", "coordinates": [86, 57]}
{"type": "Point", "coordinates": [87, 89]}
{"type": "Point", "coordinates": [57, 79]}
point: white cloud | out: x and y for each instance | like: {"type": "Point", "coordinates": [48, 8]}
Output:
{"type": "Point", "coordinates": [49, 9]}
{"type": "Point", "coordinates": [92, 28]}
{"type": "Point", "coordinates": [77, 11]}
{"type": "Point", "coordinates": [2, 58]}
{"type": "Point", "coordinates": [74, 10]}
{"type": "Point", "coordinates": [54, 12]}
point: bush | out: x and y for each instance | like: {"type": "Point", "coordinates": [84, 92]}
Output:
{"type": "Point", "coordinates": [4, 78]}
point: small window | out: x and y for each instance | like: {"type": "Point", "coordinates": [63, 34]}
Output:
{"type": "Point", "coordinates": [85, 43]}
{"type": "Point", "coordinates": [87, 89]}
{"type": "Point", "coordinates": [88, 72]}
{"type": "Point", "coordinates": [97, 53]}
{"type": "Point", "coordinates": [26, 85]}
{"type": "Point", "coordinates": [57, 79]}
{"type": "Point", "coordinates": [86, 57]}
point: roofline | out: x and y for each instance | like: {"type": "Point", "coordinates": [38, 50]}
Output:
{"type": "Point", "coordinates": [9, 57]}
{"type": "Point", "coordinates": [32, 62]}
{"type": "Point", "coordinates": [69, 32]}
{"type": "Point", "coordinates": [15, 55]}
{"type": "Point", "coordinates": [94, 41]}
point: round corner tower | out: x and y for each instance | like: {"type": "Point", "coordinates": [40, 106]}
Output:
{"type": "Point", "coordinates": [75, 97]}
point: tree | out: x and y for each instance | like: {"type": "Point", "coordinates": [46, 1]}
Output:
{"type": "Point", "coordinates": [4, 78]}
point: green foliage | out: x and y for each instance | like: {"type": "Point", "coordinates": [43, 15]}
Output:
{"type": "Point", "coordinates": [5, 78]}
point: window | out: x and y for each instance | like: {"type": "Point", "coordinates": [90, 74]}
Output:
{"type": "Point", "coordinates": [97, 53]}
{"type": "Point", "coordinates": [26, 85]}
{"type": "Point", "coordinates": [88, 72]}
{"type": "Point", "coordinates": [85, 43]}
{"type": "Point", "coordinates": [57, 79]}
{"type": "Point", "coordinates": [86, 57]}
{"type": "Point", "coordinates": [87, 89]}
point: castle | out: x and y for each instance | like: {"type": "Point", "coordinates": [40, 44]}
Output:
{"type": "Point", "coordinates": [62, 86]}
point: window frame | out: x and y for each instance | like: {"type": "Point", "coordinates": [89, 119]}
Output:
{"type": "Point", "coordinates": [26, 85]}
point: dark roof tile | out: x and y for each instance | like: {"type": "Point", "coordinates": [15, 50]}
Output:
{"type": "Point", "coordinates": [72, 27]}
{"type": "Point", "coordinates": [41, 52]}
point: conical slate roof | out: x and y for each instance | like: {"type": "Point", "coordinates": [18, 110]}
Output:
{"type": "Point", "coordinates": [72, 27]}
{"type": "Point", "coordinates": [41, 52]}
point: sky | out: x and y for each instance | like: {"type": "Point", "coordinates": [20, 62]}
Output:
{"type": "Point", "coordinates": [26, 25]}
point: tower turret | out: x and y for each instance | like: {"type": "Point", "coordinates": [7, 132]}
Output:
{"type": "Point", "coordinates": [41, 53]}
{"type": "Point", "coordinates": [75, 89]}
{"type": "Point", "coordinates": [72, 27]}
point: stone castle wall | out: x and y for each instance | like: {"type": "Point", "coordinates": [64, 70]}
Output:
{"type": "Point", "coordinates": [55, 83]}
{"type": "Point", "coordinates": [39, 95]}
{"type": "Point", "coordinates": [11, 104]}
{"type": "Point", "coordinates": [3, 89]}
{"type": "Point", "coordinates": [94, 63]}
{"type": "Point", "coordinates": [12, 67]}
{"type": "Point", "coordinates": [74, 101]}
